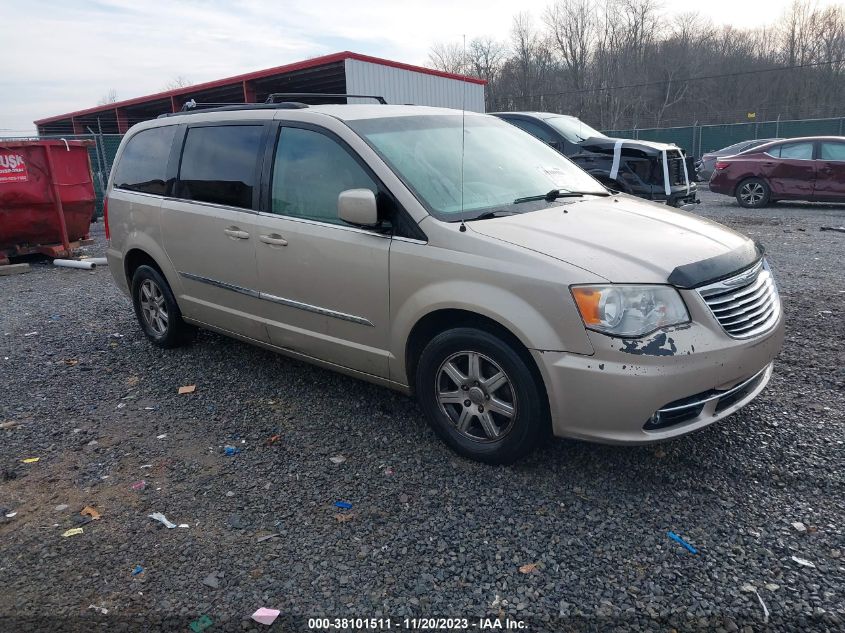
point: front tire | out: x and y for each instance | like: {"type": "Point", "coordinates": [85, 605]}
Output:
{"type": "Point", "coordinates": [753, 193]}
{"type": "Point", "coordinates": [480, 396]}
{"type": "Point", "coordinates": [157, 310]}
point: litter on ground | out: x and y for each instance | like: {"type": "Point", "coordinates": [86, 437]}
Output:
{"type": "Point", "coordinates": [158, 516]}
{"type": "Point", "coordinates": [30, 460]}
{"type": "Point", "coordinates": [804, 562]}
{"type": "Point", "coordinates": [343, 505]}
{"type": "Point", "coordinates": [138, 570]}
{"type": "Point", "coordinates": [765, 609]}
{"type": "Point", "coordinates": [187, 389]}
{"type": "Point", "coordinates": [72, 532]}
{"type": "Point", "coordinates": [266, 616]}
{"type": "Point", "coordinates": [201, 624]}
{"type": "Point", "coordinates": [337, 459]}
{"type": "Point", "coordinates": [682, 542]}
{"type": "Point", "coordinates": [91, 512]}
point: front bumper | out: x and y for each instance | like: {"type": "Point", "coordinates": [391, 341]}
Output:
{"type": "Point", "coordinates": [613, 395]}
{"type": "Point", "coordinates": [678, 195]}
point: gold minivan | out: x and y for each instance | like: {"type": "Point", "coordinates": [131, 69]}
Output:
{"type": "Point", "coordinates": [445, 254]}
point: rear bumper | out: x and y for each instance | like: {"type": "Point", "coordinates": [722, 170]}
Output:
{"type": "Point", "coordinates": [613, 396]}
{"type": "Point", "coordinates": [720, 183]}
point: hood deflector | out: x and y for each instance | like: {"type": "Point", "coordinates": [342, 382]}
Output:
{"type": "Point", "coordinates": [716, 268]}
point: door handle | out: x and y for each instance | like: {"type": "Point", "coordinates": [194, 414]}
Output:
{"type": "Point", "coordinates": [274, 239]}
{"type": "Point", "coordinates": [235, 233]}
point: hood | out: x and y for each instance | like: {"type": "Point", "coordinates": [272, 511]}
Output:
{"type": "Point", "coordinates": [606, 144]}
{"type": "Point", "coordinates": [621, 238]}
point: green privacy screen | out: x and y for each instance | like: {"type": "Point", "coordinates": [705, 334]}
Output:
{"type": "Point", "coordinates": [699, 139]}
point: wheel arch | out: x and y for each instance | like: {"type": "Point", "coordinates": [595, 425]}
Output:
{"type": "Point", "coordinates": [143, 250]}
{"type": "Point", "coordinates": [441, 320]}
{"type": "Point", "coordinates": [136, 258]}
{"type": "Point", "coordinates": [745, 177]}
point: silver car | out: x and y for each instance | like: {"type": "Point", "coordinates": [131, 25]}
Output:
{"type": "Point", "coordinates": [448, 255]}
{"type": "Point", "coordinates": [705, 167]}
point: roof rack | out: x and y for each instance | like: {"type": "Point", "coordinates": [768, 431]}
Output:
{"type": "Point", "coordinates": [272, 103]}
{"type": "Point", "coordinates": [273, 98]}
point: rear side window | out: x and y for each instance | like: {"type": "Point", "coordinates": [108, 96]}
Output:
{"type": "Point", "coordinates": [219, 164]}
{"type": "Point", "coordinates": [143, 164]}
{"type": "Point", "coordinates": [833, 151]}
{"type": "Point", "coordinates": [310, 171]}
{"type": "Point", "coordinates": [795, 151]}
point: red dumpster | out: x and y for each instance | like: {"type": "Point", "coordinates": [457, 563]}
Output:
{"type": "Point", "coordinates": [46, 197]}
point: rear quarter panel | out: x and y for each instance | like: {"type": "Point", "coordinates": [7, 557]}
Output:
{"type": "Point", "coordinates": [134, 223]}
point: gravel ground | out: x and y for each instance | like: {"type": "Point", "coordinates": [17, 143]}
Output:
{"type": "Point", "coordinates": [428, 534]}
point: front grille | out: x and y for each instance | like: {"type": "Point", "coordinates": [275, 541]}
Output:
{"type": "Point", "coordinates": [746, 304]}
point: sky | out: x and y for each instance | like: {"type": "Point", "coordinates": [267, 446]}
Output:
{"type": "Point", "coordinates": [66, 55]}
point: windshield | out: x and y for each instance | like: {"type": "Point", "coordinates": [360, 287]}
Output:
{"type": "Point", "coordinates": [501, 163]}
{"type": "Point", "coordinates": [573, 130]}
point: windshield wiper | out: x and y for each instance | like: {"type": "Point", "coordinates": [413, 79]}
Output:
{"type": "Point", "coordinates": [487, 215]}
{"type": "Point", "coordinates": [554, 194]}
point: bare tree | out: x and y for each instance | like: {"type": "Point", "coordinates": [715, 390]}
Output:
{"type": "Point", "coordinates": [484, 59]}
{"type": "Point", "coordinates": [180, 81]}
{"type": "Point", "coordinates": [572, 27]}
{"type": "Point", "coordinates": [448, 57]}
{"type": "Point", "coordinates": [109, 97]}
{"type": "Point", "coordinates": [627, 63]}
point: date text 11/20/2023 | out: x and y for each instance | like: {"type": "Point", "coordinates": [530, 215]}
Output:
{"type": "Point", "coordinates": [416, 624]}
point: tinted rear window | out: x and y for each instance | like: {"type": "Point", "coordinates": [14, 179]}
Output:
{"type": "Point", "coordinates": [219, 164]}
{"type": "Point", "coordinates": [143, 164]}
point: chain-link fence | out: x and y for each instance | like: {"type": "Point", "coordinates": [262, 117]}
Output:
{"type": "Point", "coordinates": [700, 139]}
{"type": "Point", "coordinates": [101, 153]}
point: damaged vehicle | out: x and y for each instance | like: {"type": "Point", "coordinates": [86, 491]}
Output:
{"type": "Point", "coordinates": [446, 255]}
{"type": "Point", "coordinates": [654, 171]}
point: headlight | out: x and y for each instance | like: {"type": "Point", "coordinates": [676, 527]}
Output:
{"type": "Point", "coordinates": [622, 310]}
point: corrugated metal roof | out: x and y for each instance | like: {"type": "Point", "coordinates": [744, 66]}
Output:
{"type": "Point", "coordinates": [237, 80]}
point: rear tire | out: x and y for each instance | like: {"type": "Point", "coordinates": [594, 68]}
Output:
{"type": "Point", "coordinates": [480, 396]}
{"type": "Point", "coordinates": [753, 193]}
{"type": "Point", "coordinates": [157, 310]}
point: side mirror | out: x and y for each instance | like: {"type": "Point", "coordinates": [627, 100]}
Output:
{"type": "Point", "coordinates": [358, 207]}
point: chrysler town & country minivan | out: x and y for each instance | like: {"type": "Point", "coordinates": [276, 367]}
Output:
{"type": "Point", "coordinates": [450, 256]}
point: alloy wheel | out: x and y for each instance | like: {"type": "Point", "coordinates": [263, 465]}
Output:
{"type": "Point", "coordinates": [475, 393]}
{"type": "Point", "coordinates": [752, 193]}
{"type": "Point", "coordinates": [153, 307]}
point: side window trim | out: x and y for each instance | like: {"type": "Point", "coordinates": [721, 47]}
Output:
{"type": "Point", "coordinates": [179, 151]}
{"type": "Point", "coordinates": [175, 159]}
{"type": "Point", "coordinates": [269, 154]}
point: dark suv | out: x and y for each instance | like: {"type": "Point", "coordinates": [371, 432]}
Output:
{"type": "Point", "coordinates": [654, 171]}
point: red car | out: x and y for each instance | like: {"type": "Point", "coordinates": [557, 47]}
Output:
{"type": "Point", "coordinates": [811, 168]}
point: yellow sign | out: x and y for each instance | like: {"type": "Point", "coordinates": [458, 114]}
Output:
{"type": "Point", "coordinates": [752, 115]}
